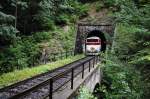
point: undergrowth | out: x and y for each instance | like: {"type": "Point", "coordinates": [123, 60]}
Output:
{"type": "Point", "coordinates": [120, 79]}
{"type": "Point", "coordinates": [85, 94]}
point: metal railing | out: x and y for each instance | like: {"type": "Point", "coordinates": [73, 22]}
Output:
{"type": "Point", "coordinates": [72, 73]}
{"type": "Point", "coordinates": [57, 82]}
{"type": "Point", "coordinates": [56, 56]}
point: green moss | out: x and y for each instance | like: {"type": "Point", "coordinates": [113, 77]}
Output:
{"type": "Point", "coordinates": [18, 75]}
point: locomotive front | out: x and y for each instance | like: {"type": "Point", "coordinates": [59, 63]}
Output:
{"type": "Point", "coordinates": [92, 46]}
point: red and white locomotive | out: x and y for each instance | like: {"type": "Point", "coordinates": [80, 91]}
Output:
{"type": "Point", "coordinates": [92, 45]}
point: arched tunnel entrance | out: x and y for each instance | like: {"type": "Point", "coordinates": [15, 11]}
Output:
{"type": "Point", "coordinates": [84, 30]}
{"type": "Point", "coordinates": [101, 36]}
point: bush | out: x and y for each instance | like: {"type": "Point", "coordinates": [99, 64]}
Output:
{"type": "Point", "coordinates": [109, 3]}
{"type": "Point", "coordinates": [24, 53]}
{"type": "Point", "coordinates": [48, 24]}
{"type": "Point", "coordinates": [121, 80]}
{"type": "Point", "coordinates": [16, 60]}
{"type": "Point", "coordinates": [66, 39]}
{"type": "Point", "coordinates": [85, 94]}
{"type": "Point", "coordinates": [62, 19]}
{"type": "Point", "coordinates": [99, 5]}
{"type": "Point", "coordinates": [42, 36]}
{"type": "Point", "coordinates": [5, 62]}
{"type": "Point", "coordinates": [45, 21]}
{"type": "Point", "coordinates": [32, 51]}
{"type": "Point", "coordinates": [79, 9]}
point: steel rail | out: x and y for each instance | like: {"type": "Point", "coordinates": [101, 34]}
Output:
{"type": "Point", "coordinates": [64, 73]}
{"type": "Point", "coordinates": [40, 84]}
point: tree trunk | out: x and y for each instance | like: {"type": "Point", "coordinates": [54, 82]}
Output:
{"type": "Point", "coordinates": [16, 11]}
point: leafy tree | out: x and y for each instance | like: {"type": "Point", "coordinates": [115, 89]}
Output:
{"type": "Point", "coordinates": [132, 37]}
{"type": "Point", "coordinates": [7, 31]}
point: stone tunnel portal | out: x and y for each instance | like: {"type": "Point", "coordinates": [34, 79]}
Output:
{"type": "Point", "coordinates": [104, 31]}
{"type": "Point", "coordinates": [101, 36]}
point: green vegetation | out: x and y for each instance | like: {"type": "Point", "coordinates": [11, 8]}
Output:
{"type": "Point", "coordinates": [126, 66]}
{"type": "Point", "coordinates": [126, 72]}
{"type": "Point", "coordinates": [120, 80]}
{"type": "Point", "coordinates": [99, 5]}
{"type": "Point", "coordinates": [85, 94]}
{"type": "Point", "coordinates": [29, 27]}
{"type": "Point", "coordinates": [18, 75]}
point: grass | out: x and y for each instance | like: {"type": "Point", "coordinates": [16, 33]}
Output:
{"type": "Point", "coordinates": [19, 75]}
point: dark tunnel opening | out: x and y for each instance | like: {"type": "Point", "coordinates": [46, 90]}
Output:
{"type": "Point", "coordinates": [101, 36]}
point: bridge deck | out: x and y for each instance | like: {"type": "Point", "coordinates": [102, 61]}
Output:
{"type": "Point", "coordinates": [53, 84]}
{"type": "Point", "coordinates": [66, 93]}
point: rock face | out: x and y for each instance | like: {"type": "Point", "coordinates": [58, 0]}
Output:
{"type": "Point", "coordinates": [44, 53]}
{"type": "Point", "coordinates": [48, 50]}
{"type": "Point", "coordinates": [44, 56]}
{"type": "Point", "coordinates": [97, 21]}
{"type": "Point", "coordinates": [66, 28]}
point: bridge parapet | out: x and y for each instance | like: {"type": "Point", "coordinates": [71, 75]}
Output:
{"type": "Point", "coordinates": [91, 77]}
{"type": "Point", "coordinates": [60, 83]}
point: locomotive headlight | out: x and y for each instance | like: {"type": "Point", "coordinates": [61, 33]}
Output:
{"type": "Point", "coordinates": [92, 48]}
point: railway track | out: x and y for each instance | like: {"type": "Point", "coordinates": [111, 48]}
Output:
{"type": "Point", "coordinates": [37, 87]}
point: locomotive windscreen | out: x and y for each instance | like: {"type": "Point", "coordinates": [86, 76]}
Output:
{"type": "Point", "coordinates": [92, 40]}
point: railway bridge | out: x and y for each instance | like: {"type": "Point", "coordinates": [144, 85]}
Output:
{"type": "Point", "coordinates": [91, 80]}
{"type": "Point", "coordinates": [64, 82]}
{"type": "Point", "coordinates": [61, 83]}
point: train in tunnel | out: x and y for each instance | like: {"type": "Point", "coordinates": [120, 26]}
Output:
{"type": "Point", "coordinates": [92, 45]}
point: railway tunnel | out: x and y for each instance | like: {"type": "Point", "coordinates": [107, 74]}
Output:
{"type": "Point", "coordinates": [103, 31]}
